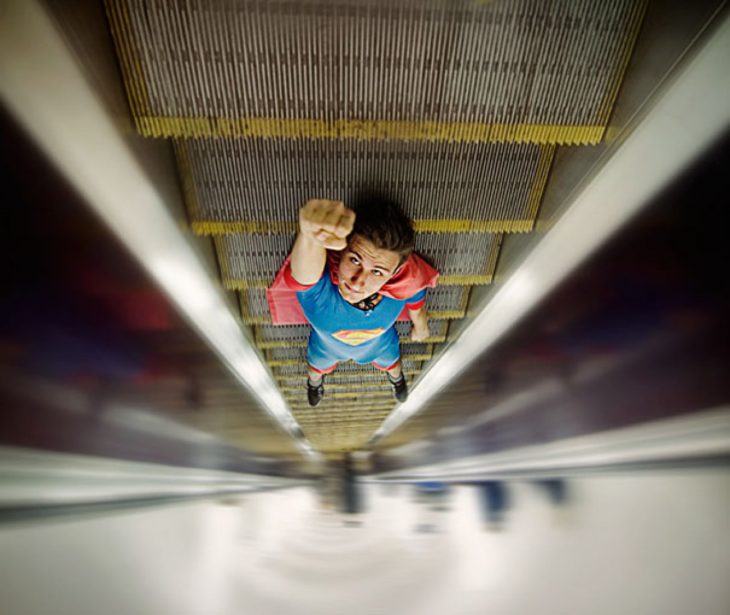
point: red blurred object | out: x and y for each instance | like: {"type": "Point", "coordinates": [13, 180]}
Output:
{"type": "Point", "coordinates": [133, 307]}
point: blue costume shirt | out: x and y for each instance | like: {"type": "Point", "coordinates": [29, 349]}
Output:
{"type": "Point", "coordinates": [341, 331]}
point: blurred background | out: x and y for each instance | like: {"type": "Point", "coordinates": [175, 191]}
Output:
{"type": "Point", "coordinates": [566, 443]}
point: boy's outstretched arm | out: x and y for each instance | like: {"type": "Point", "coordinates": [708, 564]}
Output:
{"type": "Point", "coordinates": [323, 225]}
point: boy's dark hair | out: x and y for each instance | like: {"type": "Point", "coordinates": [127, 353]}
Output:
{"type": "Point", "coordinates": [381, 220]}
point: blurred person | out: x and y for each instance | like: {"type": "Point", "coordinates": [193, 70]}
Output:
{"type": "Point", "coordinates": [495, 500]}
{"type": "Point", "coordinates": [354, 272]}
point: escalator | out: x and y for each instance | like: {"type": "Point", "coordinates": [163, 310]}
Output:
{"type": "Point", "coordinates": [564, 166]}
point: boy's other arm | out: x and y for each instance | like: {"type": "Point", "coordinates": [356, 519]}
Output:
{"type": "Point", "coordinates": [323, 225]}
{"type": "Point", "coordinates": [420, 330]}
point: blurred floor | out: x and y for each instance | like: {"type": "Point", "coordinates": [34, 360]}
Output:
{"type": "Point", "coordinates": [640, 543]}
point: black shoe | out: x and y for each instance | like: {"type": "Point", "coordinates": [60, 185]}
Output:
{"type": "Point", "coordinates": [400, 388]}
{"type": "Point", "coordinates": [315, 393]}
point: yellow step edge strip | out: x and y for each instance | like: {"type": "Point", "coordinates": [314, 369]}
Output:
{"type": "Point", "coordinates": [466, 280]}
{"type": "Point", "coordinates": [346, 424]}
{"type": "Point", "coordinates": [349, 437]}
{"type": "Point", "coordinates": [447, 314]}
{"type": "Point", "coordinates": [366, 130]}
{"type": "Point", "coordinates": [283, 362]}
{"type": "Point", "coordinates": [314, 415]}
{"type": "Point", "coordinates": [424, 356]}
{"type": "Point", "coordinates": [220, 227]}
{"type": "Point", "coordinates": [383, 402]}
{"type": "Point", "coordinates": [435, 315]}
{"type": "Point", "coordinates": [436, 225]}
{"type": "Point", "coordinates": [354, 374]}
{"type": "Point", "coordinates": [383, 395]}
{"type": "Point", "coordinates": [363, 373]}
{"type": "Point", "coordinates": [297, 382]}
{"type": "Point", "coordinates": [339, 443]}
{"type": "Point", "coordinates": [361, 406]}
{"type": "Point", "coordinates": [434, 339]}
{"type": "Point", "coordinates": [304, 407]}
{"type": "Point", "coordinates": [460, 225]}
{"type": "Point", "coordinates": [301, 378]}
{"type": "Point", "coordinates": [335, 444]}
{"type": "Point", "coordinates": [341, 390]}
{"type": "Point", "coordinates": [363, 413]}
{"type": "Point", "coordinates": [258, 320]}
{"type": "Point", "coordinates": [337, 387]}
{"type": "Point", "coordinates": [296, 386]}
{"type": "Point", "coordinates": [271, 345]}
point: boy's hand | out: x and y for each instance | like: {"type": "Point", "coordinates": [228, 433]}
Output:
{"type": "Point", "coordinates": [420, 332]}
{"type": "Point", "coordinates": [326, 223]}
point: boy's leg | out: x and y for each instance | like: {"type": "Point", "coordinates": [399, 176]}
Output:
{"type": "Point", "coordinates": [315, 383]}
{"type": "Point", "coordinates": [397, 380]}
{"type": "Point", "coordinates": [395, 371]}
{"type": "Point", "coordinates": [318, 364]}
{"type": "Point", "coordinates": [389, 361]}
{"type": "Point", "coordinates": [315, 376]}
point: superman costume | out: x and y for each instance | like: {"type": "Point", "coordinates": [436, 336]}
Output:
{"type": "Point", "coordinates": [342, 332]}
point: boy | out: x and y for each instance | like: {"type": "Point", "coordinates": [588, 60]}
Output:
{"type": "Point", "coordinates": [352, 296]}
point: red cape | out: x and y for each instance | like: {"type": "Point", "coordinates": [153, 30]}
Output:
{"type": "Point", "coordinates": [415, 275]}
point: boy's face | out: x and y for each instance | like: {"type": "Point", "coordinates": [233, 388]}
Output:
{"type": "Point", "coordinates": [364, 269]}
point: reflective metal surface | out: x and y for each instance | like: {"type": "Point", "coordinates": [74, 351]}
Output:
{"type": "Point", "coordinates": [94, 358]}
{"type": "Point", "coordinates": [638, 333]}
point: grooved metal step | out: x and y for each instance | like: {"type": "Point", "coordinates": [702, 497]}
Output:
{"type": "Point", "coordinates": [375, 69]}
{"type": "Point", "coordinates": [454, 108]}
{"type": "Point", "coordinates": [339, 405]}
{"type": "Point", "coordinates": [258, 185]}
{"type": "Point", "coordinates": [348, 367]}
{"type": "Point", "coordinates": [298, 354]}
{"type": "Point", "coordinates": [346, 381]}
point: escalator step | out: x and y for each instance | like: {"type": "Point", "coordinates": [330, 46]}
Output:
{"type": "Point", "coordinates": [375, 69]}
